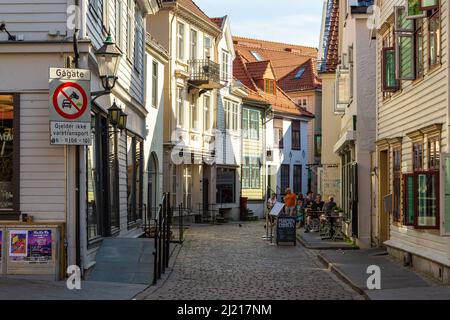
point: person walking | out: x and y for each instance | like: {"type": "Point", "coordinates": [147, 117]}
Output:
{"type": "Point", "coordinates": [290, 203]}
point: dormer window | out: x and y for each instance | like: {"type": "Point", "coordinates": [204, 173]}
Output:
{"type": "Point", "coordinates": [299, 74]}
{"type": "Point", "coordinates": [269, 86]}
{"type": "Point", "coordinates": [256, 55]}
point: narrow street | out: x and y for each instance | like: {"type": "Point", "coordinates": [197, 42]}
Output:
{"type": "Point", "coordinates": [229, 262]}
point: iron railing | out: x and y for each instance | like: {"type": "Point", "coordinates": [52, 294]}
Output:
{"type": "Point", "coordinates": [162, 234]}
{"type": "Point", "coordinates": [204, 70]}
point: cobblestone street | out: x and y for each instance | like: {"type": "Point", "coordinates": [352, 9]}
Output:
{"type": "Point", "coordinates": [232, 262]}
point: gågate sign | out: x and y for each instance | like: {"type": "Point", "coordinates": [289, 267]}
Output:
{"type": "Point", "coordinates": [70, 106]}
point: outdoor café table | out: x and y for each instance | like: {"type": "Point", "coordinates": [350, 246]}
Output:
{"type": "Point", "coordinates": [314, 215]}
{"type": "Point", "coordinates": [331, 217]}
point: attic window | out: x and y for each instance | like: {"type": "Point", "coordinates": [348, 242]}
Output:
{"type": "Point", "coordinates": [256, 55]}
{"type": "Point", "coordinates": [269, 86]}
{"type": "Point", "coordinates": [299, 73]}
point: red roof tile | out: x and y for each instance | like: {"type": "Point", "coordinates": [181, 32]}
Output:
{"type": "Point", "coordinates": [285, 59]}
{"type": "Point", "coordinates": [332, 58]}
{"type": "Point", "coordinates": [218, 21]}
{"type": "Point", "coordinates": [307, 79]}
{"type": "Point", "coordinates": [248, 72]}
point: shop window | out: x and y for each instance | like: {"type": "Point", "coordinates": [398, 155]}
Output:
{"type": "Point", "coordinates": [278, 133]}
{"type": "Point", "coordinates": [296, 137]}
{"type": "Point", "coordinates": [9, 156]}
{"type": "Point", "coordinates": [134, 178]}
{"type": "Point", "coordinates": [226, 185]}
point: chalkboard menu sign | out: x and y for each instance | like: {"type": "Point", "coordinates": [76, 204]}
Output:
{"type": "Point", "coordinates": [286, 230]}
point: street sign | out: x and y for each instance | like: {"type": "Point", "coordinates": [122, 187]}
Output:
{"type": "Point", "coordinates": [70, 106]}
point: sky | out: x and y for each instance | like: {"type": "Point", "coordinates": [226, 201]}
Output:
{"type": "Point", "coordinates": [288, 21]}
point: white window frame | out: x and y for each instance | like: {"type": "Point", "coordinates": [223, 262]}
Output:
{"type": "Point", "coordinates": [207, 112]}
{"type": "Point", "coordinates": [130, 30]}
{"type": "Point", "coordinates": [225, 66]}
{"type": "Point", "coordinates": [207, 47]}
{"type": "Point", "coordinates": [193, 52]}
{"type": "Point", "coordinates": [194, 119]}
{"type": "Point", "coordinates": [180, 40]}
{"type": "Point", "coordinates": [118, 22]}
{"type": "Point", "coordinates": [180, 107]}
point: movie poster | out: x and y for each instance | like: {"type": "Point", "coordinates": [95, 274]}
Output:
{"type": "Point", "coordinates": [18, 243]}
{"type": "Point", "coordinates": [40, 245]}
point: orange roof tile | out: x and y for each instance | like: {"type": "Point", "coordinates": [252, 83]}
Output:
{"type": "Point", "coordinates": [218, 21]}
{"type": "Point", "coordinates": [285, 59]}
{"type": "Point", "coordinates": [280, 101]}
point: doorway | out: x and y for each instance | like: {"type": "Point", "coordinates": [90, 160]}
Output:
{"type": "Point", "coordinates": [383, 185]}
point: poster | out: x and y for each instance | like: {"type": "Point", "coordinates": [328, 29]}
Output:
{"type": "Point", "coordinates": [40, 245]}
{"type": "Point", "coordinates": [18, 243]}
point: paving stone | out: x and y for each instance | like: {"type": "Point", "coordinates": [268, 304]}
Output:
{"type": "Point", "coordinates": [229, 262]}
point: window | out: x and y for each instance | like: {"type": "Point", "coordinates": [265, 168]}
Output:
{"type": "Point", "coordinates": [227, 111]}
{"type": "Point", "coordinates": [434, 153]}
{"type": "Point", "coordinates": [397, 173]}
{"type": "Point", "coordinates": [235, 116]}
{"type": "Point", "coordinates": [194, 113]}
{"type": "Point", "coordinates": [207, 47]}
{"type": "Point", "coordinates": [130, 23]}
{"type": "Point", "coordinates": [155, 84]}
{"type": "Point", "coordinates": [389, 81]}
{"type": "Point", "coordinates": [138, 42]}
{"type": "Point", "coordinates": [226, 181]}
{"type": "Point", "coordinates": [342, 88]}
{"type": "Point", "coordinates": [278, 133]}
{"type": "Point", "coordinates": [118, 21]}
{"type": "Point", "coordinates": [299, 73]}
{"type": "Point", "coordinates": [180, 41]}
{"type": "Point", "coordinates": [194, 46]}
{"type": "Point", "coordinates": [225, 66]}
{"type": "Point", "coordinates": [421, 194]}
{"type": "Point", "coordinates": [93, 224]}
{"type": "Point", "coordinates": [434, 39]}
{"type": "Point", "coordinates": [269, 86]}
{"type": "Point", "coordinates": [256, 55]}
{"type": "Point", "coordinates": [187, 187]}
{"type": "Point", "coordinates": [298, 179]}
{"type": "Point", "coordinates": [207, 112]}
{"type": "Point", "coordinates": [409, 199]}
{"type": "Point", "coordinates": [296, 144]}
{"type": "Point", "coordinates": [134, 178]}
{"type": "Point", "coordinates": [250, 124]}
{"type": "Point", "coordinates": [180, 107]}
{"type": "Point", "coordinates": [251, 173]}
{"type": "Point", "coordinates": [285, 177]}
{"type": "Point", "coordinates": [419, 51]}
{"type": "Point", "coordinates": [418, 156]}
{"type": "Point", "coordinates": [318, 145]}
{"type": "Point", "coordinates": [9, 157]}
{"type": "Point", "coordinates": [105, 17]}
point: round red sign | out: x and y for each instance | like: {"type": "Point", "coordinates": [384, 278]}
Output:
{"type": "Point", "coordinates": [70, 100]}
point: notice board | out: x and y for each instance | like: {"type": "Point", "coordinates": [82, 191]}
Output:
{"type": "Point", "coordinates": [31, 250]}
{"type": "Point", "coordinates": [287, 230]}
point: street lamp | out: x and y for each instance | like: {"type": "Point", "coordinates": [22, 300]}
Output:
{"type": "Point", "coordinates": [122, 120]}
{"type": "Point", "coordinates": [108, 60]}
{"type": "Point", "coordinates": [114, 114]}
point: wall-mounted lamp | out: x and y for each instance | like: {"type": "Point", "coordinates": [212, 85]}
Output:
{"type": "Point", "coordinates": [3, 28]}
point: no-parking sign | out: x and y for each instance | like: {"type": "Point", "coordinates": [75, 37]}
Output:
{"type": "Point", "coordinates": [70, 106]}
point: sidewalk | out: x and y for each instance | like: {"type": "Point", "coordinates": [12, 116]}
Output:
{"type": "Point", "coordinates": [313, 240]}
{"type": "Point", "coordinates": [397, 282]}
{"type": "Point", "coordinates": [15, 289]}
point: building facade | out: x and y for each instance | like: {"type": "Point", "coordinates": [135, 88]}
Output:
{"type": "Point", "coordinates": [329, 176]}
{"type": "Point", "coordinates": [294, 69]}
{"type": "Point", "coordinates": [193, 77]}
{"type": "Point", "coordinates": [412, 167]}
{"type": "Point", "coordinates": [90, 192]}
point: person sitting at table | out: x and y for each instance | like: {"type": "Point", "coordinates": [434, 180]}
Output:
{"type": "Point", "coordinates": [316, 206]}
{"type": "Point", "coordinates": [300, 214]}
{"type": "Point", "coordinates": [329, 206]}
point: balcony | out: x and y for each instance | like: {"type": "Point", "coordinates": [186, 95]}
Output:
{"type": "Point", "coordinates": [204, 75]}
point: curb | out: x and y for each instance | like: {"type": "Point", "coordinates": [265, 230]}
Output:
{"type": "Point", "coordinates": [307, 246]}
{"type": "Point", "coordinates": [341, 275]}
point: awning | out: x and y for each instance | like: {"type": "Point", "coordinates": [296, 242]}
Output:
{"type": "Point", "coordinates": [348, 137]}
